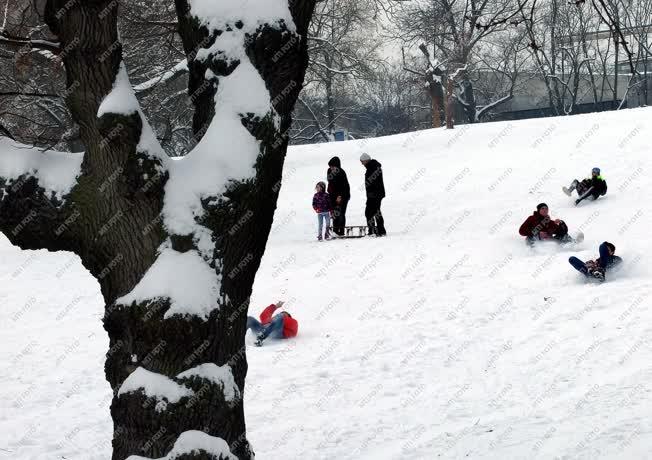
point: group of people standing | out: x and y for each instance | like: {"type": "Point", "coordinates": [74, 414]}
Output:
{"type": "Point", "coordinates": [328, 201]}
{"type": "Point", "coordinates": [540, 226]}
{"type": "Point", "coordinates": [333, 199]}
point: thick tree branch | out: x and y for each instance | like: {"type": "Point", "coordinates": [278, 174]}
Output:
{"type": "Point", "coordinates": [10, 40]}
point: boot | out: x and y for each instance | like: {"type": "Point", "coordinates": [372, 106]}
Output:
{"type": "Point", "coordinates": [567, 239]}
{"type": "Point", "coordinates": [598, 273]}
{"type": "Point", "coordinates": [569, 190]}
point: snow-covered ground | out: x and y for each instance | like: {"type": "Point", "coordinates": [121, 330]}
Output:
{"type": "Point", "coordinates": [449, 338]}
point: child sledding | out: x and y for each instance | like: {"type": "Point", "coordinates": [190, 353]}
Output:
{"type": "Point", "coordinates": [593, 187]}
{"type": "Point", "coordinates": [597, 268]}
{"type": "Point", "coordinates": [540, 226]}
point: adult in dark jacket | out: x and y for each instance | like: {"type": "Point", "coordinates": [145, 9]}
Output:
{"type": "Point", "coordinates": [375, 188]}
{"type": "Point", "coordinates": [539, 226]}
{"type": "Point", "coordinates": [597, 268]}
{"type": "Point", "coordinates": [594, 187]}
{"type": "Point", "coordinates": [339, 192]}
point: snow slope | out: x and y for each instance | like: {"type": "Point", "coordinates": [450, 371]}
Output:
{"type": "Point", "coordinates": [447, 339]}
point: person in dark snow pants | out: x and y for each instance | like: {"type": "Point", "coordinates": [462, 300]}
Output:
{"type": "Point", "coordinates": [375, 188]}
{"type": "Point", "coordinates": [339, 192]}
{"type": "Point", "coordinates": [598, 267]}
{"type": "Point", "coordinates": [539, 226]}
{"type": "Point", "coordinates": [594, 187]}
{"type": "Point", "coordinates": [281, 326]}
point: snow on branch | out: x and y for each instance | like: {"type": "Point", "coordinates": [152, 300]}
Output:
{"type": "Point", "coordinates": [181, 67]}
{"type": "Point", "coordinates": [219, 375]}
{"type": "Point", "coordinates": [217, 15]}
{"type": "Point", "coordinates": [154, 385]}
{"type": "Point", "coordinates": [122, 100]}
{"type": "Point", "coordinates": [184, 278]}
{"type": "Point", "coordinates": [56, 172]}
{"type": "Point", "coordinates": [195, 442]}
{"type": "Point", "coordinates": [493, 105]}
{"type": "Point", "coordinates": [333, 70]}
{"type": "Point", "coordinates": [12, 40]}
{"type": "Point", "coordinates": [458, 71]}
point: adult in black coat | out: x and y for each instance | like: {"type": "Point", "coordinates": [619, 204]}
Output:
{"type": "Point", "coordinates": [339, 192]}
{"type": "Point", "coordinates": [375, 187]}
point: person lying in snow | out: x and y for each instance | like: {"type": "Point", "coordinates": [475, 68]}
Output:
{"type": "Point", "coordinates": [539, 226]}
{"type": "Point", "coordinates": [597, 268]}
{"type": "Point", "coordinates": [281, 326]}
{"type": "Point", "coordinates": [594, 187]}
{"type": "Point", "coordinates": [321, 203]}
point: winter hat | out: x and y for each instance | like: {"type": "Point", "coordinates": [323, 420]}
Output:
{"type": "Point", "coordinates": [335, 161]}
{"type": "Point", "coordinates": [596, 170]}
{"type": "Point", "coordinates": [610, 246]}
{"type": "Point", "coordinates": [541, 205]}
{"type": "Point", "coordinates": [365, 157]}
{"type": "Point", "coordinates": [322, 185]}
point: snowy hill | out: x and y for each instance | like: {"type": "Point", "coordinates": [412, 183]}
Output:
{"type": "Point", "coordinates": [447, 339]}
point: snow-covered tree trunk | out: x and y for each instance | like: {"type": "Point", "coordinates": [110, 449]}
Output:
{"type": "Point", "coordinates": [174, 245]}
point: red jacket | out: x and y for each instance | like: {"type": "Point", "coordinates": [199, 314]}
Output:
{"type": "Point", "coordinates": [537, 223]}
{"type": "Point", "coordinates": [290, 325]}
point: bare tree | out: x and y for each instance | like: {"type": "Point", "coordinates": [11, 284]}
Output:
{"type": "Point", "coordinates": [343, 55]}
{"type": "Point", "coordinates": [501, 71]}
{"type": "Point", "coordinates": [449, 33]}
{"type": "Point", "coordinates": [431, 74]}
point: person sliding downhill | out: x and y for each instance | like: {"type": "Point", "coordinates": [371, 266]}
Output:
{"type": "Point", "coordinates": [597, 268]}
{"type": "Point", "coordinates": [594, 187]}
{"type": "Point", "coordinates": [539, 226]}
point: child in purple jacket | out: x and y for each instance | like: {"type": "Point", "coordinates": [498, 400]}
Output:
{"type": "Point", "coordinates": [321, 203]}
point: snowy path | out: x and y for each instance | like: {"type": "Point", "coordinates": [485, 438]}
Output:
{"type": "Point", "coordinates": [448, 339]}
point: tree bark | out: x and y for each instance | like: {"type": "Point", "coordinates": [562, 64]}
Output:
{"type": "Point", "coordinates": [112, 218]}
{"type": "Point", "coordinates": [435, 100]}
{"type": "Point", "coordinates": [433, 76]}
{"type": "Point", "coordinates": [469, 97]}
{"type": "Point", "coordinates": [450, 116]}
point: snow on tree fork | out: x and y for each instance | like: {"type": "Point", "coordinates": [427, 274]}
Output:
{"type": "Point", "coordinates": [166, 240]}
